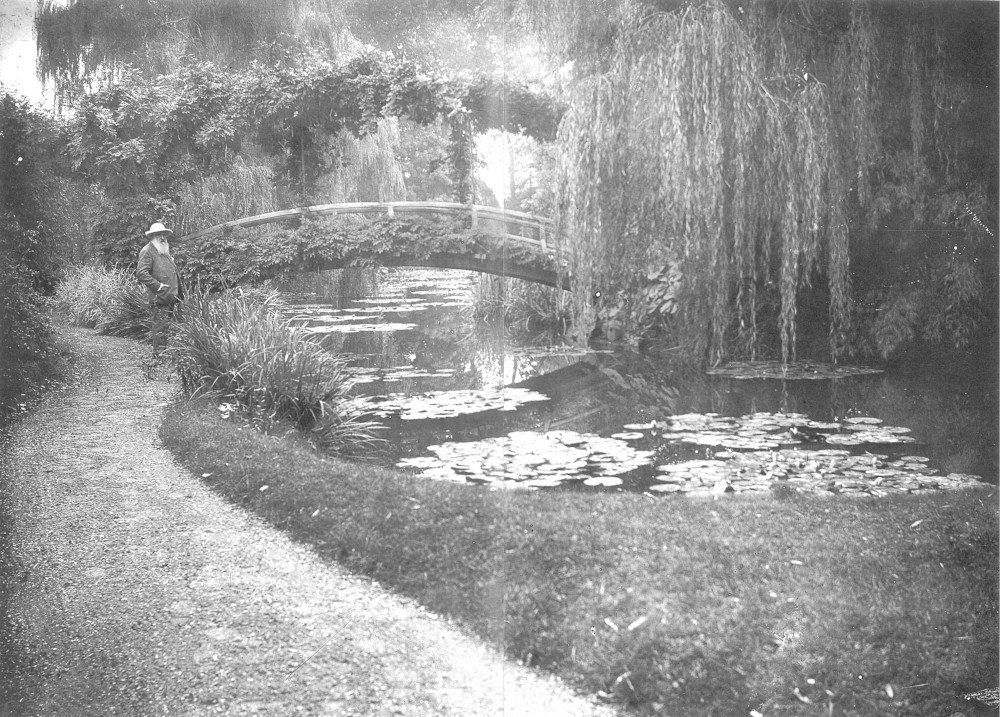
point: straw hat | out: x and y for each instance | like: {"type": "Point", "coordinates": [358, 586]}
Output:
{"type": "Point", "coordinates": [156, 229]}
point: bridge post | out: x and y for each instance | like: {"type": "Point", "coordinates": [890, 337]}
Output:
{"type": "Point", "coordinates": [390, 210]}
{"type": "Point", "coordinates": [475, 217]}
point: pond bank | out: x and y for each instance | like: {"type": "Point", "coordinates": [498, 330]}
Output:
{"type": "Point", "coordinates": [673, 606]}
{"type": "Point", "coordinates": [137, 590]}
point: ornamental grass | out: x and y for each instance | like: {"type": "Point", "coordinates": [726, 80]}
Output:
{"type": "Point", "coordinates": [109, 300]}
{"type": "Point", "coordinates": [237, 347]}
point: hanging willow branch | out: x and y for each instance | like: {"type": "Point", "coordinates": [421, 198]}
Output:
{"type": "Point", "coordinates": [368, 170]}
{"type": "Point", "coordinates": [95, 41]}
{"type": "Point", "coordinates": [243, 190]}
{"type": "Point", "coordinates": [705, 146]}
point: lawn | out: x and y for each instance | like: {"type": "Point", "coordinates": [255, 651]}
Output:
{"type": "Point", "coordinates": [780, 604]}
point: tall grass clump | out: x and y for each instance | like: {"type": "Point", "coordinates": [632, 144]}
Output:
{"type": "Point", "coordinates": [109, 300]}
{"type": "Point", "coordinates": [238, 348]}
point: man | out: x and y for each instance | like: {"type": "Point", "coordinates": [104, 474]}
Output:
{"type": "Point", "coordinates": [158, 273]}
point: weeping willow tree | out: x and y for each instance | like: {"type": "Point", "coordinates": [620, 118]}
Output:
{"type": "Point", "coordinates": [582, 31]}
{"type": "Point", "coordinates": [367, 170]}
{"type": "Point", "coordinates": [755, 145]}
{"type": "Point", "coordinates": [95, 41]}
{"type": "Point", "coordinates": [701, 149]}
{"type": "Point", "coordinates": [244, 189]}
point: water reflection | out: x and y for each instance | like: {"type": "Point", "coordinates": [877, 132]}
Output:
{"type": "Point", "coordinates": [458, 397]}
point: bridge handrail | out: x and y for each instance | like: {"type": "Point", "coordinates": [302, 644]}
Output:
{"type": "Point", "coordinates": [478, 212]}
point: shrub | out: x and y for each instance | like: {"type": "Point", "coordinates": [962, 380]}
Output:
{"type": "Point", "coordinates": [237, 347]}
{"type": "Point", "coordinates": [934, 290]}
{"type": "Point", "coordinates": [25, 337]}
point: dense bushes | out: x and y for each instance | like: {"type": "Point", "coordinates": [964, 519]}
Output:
{"type": "Point", "coordinates": [929, 290]}
{"type": "Point", "coordinates": [26, 254]}
{"type": "Point", "coordinates": [26, 345]}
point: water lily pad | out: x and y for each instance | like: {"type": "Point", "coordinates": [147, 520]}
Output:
{"type": "Point", "coordinates": [675, 478]}
{"type": "Point", "coordinates": [356, 328]}
{"type": "Point", "coordinates": [448, 404]}
{"type": "Point", "coordinates": [604, 481]}
{"type": "Point", "coordinates": [665, 488]}
{"type": "Point", "coordinates": [543, 482]}
{"type": "Point", "coordinates": [627, 436]}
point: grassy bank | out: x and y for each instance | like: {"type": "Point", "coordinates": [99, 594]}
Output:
{"type": "Point", "coordinates": [785, 606]}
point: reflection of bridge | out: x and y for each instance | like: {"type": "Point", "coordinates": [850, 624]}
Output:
{"type": "Point", "coordinates": [528, 234]}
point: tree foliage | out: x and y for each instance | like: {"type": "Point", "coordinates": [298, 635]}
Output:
{"type": "Point", "coordinates": [28, 252]}
{"type": "Point", "coordinates": [669, 158]}
{"type": "Point", "coordinates": [152, 144]}
{"type": "Point", "coordinates": [91, 42]}
{"type": "Point", "coordinates": [751, 147]}
{"type": "Point", "coordinates": [585, 31]}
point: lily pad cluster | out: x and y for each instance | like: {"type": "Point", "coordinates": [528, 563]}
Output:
{"type": "Point", "coordinates": [400, 306]}
{"type": "Point", "coordinates": [367, 374]}
{"type": "Point", "coordinates": [826, 471]}
{"type": "Point", "coordinates": [355, 328]}
{"type": "Point", "coordinates": [529, 459]}
{"type": "Point", "coordinates": [754, 454]}
{"type": "Point", "coordinates": [448, 404]}
{"type": "Point", "coordinates": [762, 430]}
{"type": "Point", "coordinates": [789, 372]}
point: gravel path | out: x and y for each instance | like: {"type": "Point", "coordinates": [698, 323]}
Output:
{"type": "Point", "coordinates": [143, 593]}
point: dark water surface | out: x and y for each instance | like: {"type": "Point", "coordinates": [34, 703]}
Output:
{"type": "Point", "coordinates": [466, 401]}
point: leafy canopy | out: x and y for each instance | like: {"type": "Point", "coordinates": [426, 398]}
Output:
{"type": "Point", "coordinates": [143, 141]}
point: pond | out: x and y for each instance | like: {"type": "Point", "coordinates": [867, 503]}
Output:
{"type": "Point", "coordinates": [465, 401]}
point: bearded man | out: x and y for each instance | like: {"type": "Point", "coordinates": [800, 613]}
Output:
{"type": "Point", "coordinates": [158, 273]}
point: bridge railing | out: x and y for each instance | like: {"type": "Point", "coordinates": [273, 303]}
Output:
{"type": "Point", "coordinates": [519, 227]}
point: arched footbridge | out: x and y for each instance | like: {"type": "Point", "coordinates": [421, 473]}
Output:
{"type": "Point", "coordinates": [493, 241]}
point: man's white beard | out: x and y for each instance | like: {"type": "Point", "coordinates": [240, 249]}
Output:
{"type": "Point", "coordinates": [162, 246]}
